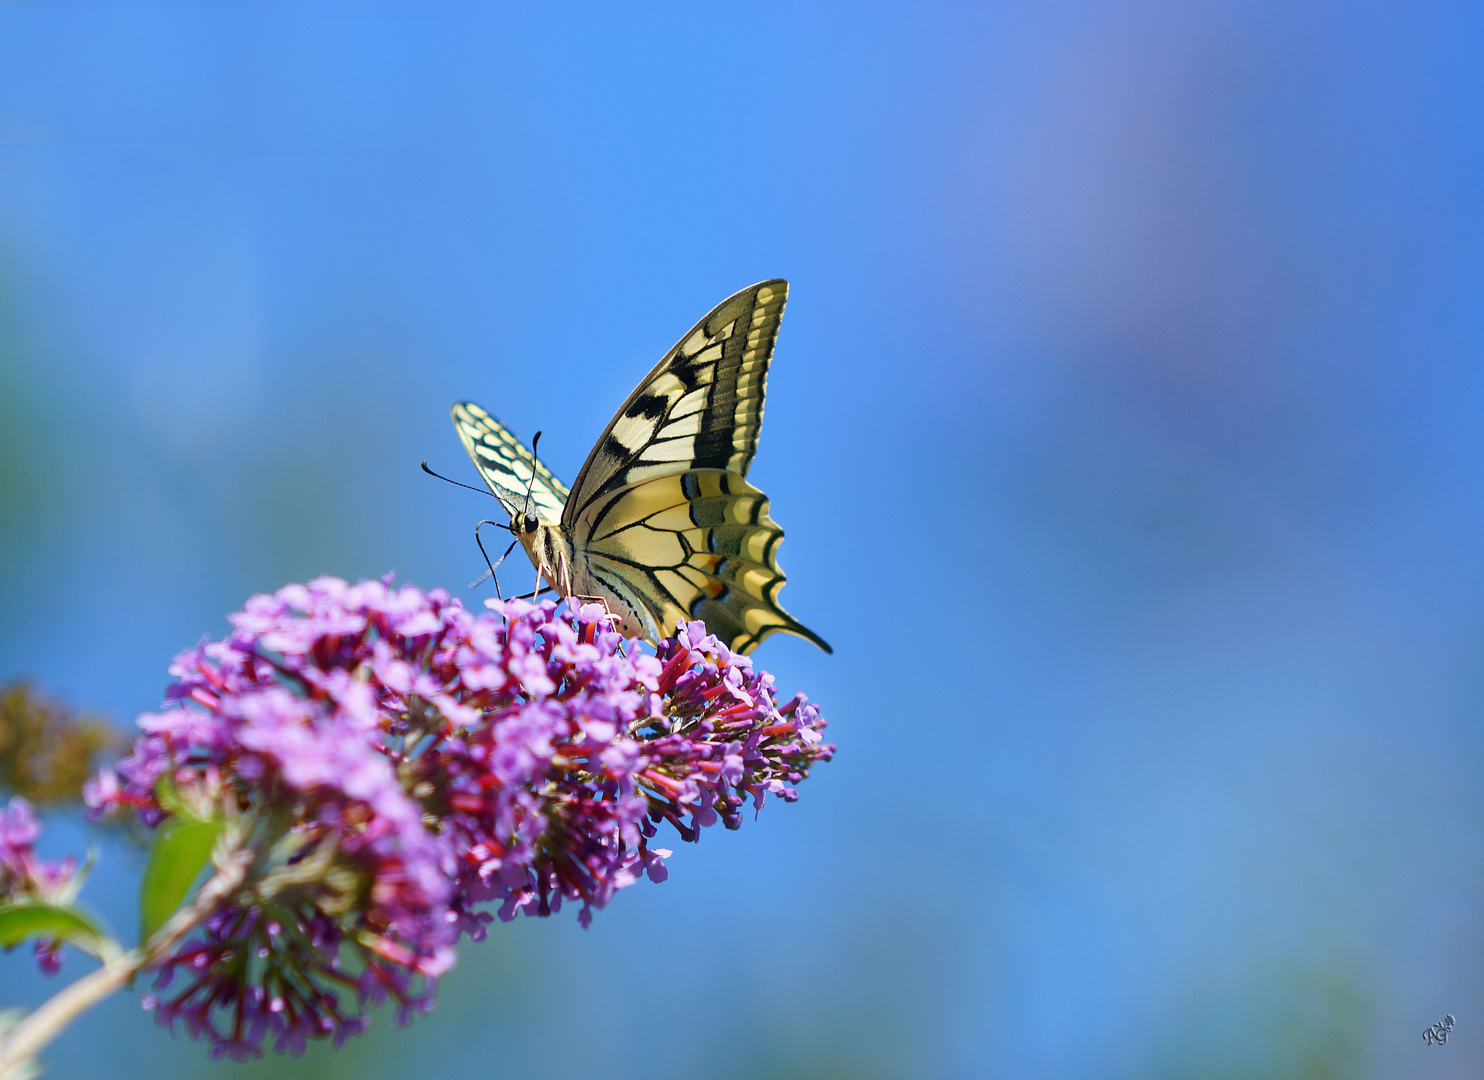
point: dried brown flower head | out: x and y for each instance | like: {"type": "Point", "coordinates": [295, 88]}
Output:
{"type": "Point", "coordinates": [47, 752]}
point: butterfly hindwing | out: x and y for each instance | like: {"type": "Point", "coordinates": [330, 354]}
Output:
{"type": "Point", "coordinates": [700, 408]}
{"type": "Point", "coordinates": [507, 466]}
{"type": "Point", "coordinates": [696, 545]}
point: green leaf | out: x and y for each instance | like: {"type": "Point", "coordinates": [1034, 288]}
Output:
{"type": "Point", "coordinates": [28, 921]}
{"type": "Point", "coordinates": [180, 852]}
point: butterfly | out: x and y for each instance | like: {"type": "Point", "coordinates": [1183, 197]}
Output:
{"type": "Point", "coordinates": [661, 524]}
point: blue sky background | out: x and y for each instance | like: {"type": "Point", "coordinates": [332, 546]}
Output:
{"type": "Point", "coordinates": [1127, 424]}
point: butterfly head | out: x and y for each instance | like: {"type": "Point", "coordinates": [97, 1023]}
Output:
{"type": "Point", "coordinates": [528, 524]}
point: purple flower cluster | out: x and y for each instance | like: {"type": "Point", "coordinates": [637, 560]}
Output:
{"type": "Point", "coordinates": [583, 748]}
{"type": "Point", "coordinates": [26, 878]}
{"type": "Point", "coordinates": [392, 760]}
{"type": "Point", "coordinates": [724, 738]}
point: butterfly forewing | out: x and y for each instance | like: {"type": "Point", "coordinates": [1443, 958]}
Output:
{"type": "Point", "coordinates": [700, 408]}
{"type": "Point", "coordinates": [507, 466]}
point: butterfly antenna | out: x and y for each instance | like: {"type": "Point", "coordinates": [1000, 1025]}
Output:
{"type": "Point", "coordinates": [535, 442]}
{"type": "Point", "coordinates": [455, 483]}
{"type": "Point", "coordinates": [491, 572]}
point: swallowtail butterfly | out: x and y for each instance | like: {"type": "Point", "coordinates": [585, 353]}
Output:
{"type": "Point", "coordinates": [662, 525]}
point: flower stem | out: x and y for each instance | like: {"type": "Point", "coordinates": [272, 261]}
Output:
{"type": "Point", "coordinates": [45, 1023]}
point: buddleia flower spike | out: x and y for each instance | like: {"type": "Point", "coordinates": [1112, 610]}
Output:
{"type": "Point", "coordinates": [366, 774]}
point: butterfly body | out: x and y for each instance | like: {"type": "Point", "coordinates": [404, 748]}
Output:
{"type": "Point", "coordinates": [661, 524]}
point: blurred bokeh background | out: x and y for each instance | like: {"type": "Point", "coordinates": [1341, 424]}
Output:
{"type": "Point", "coordinates": [1127, 424]}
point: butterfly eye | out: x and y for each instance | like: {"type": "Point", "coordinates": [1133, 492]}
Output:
{"type": "Point", "coordinates": [529, 523]}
